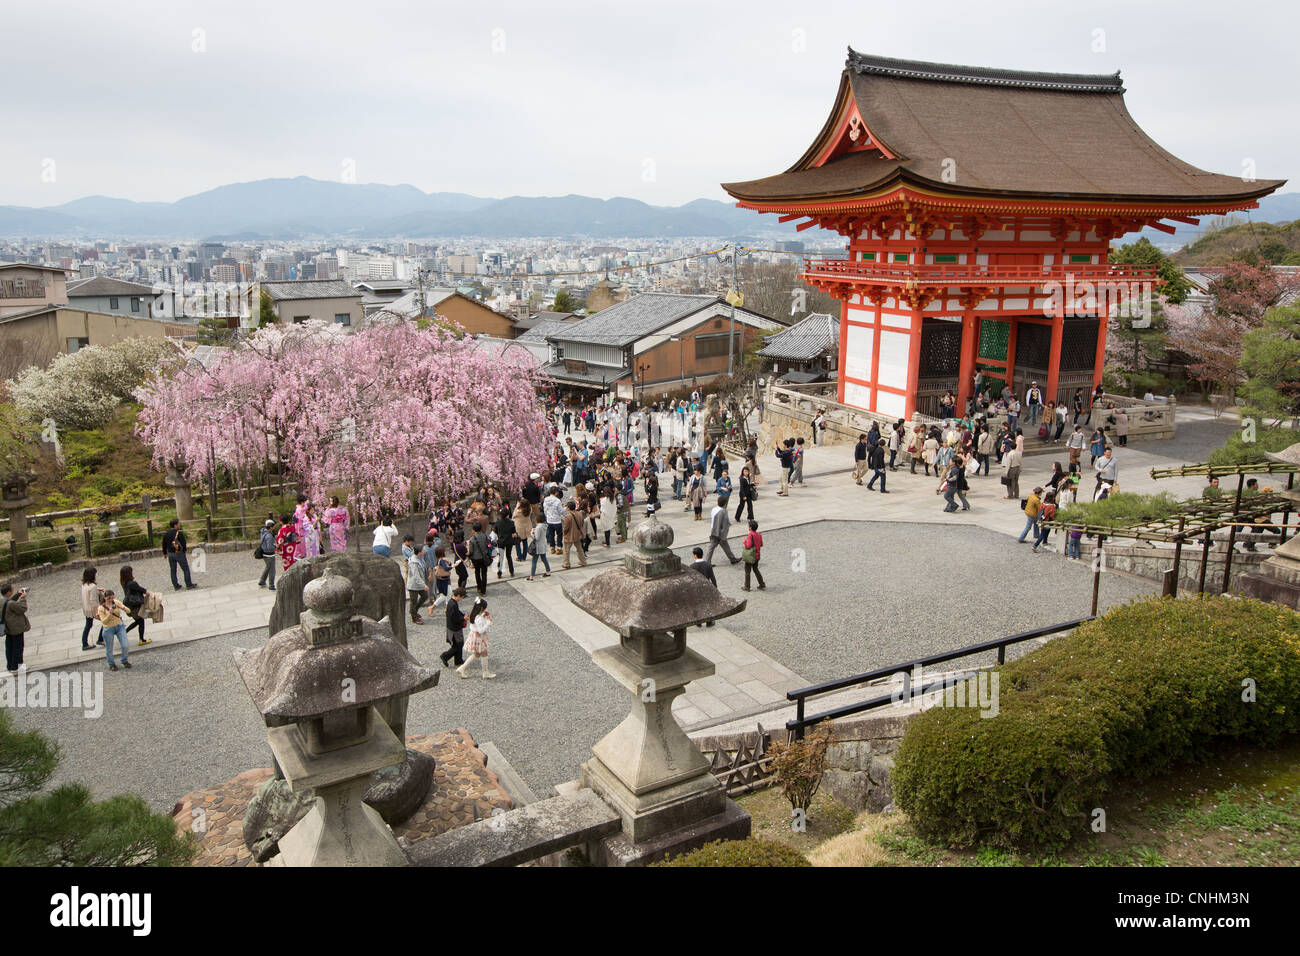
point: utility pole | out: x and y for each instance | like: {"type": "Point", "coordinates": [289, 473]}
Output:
{"type": "Point", "coordinates": [731, 335]}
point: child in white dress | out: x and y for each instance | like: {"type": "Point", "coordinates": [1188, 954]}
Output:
{"type": "Point", "coordinates": [476, 640]}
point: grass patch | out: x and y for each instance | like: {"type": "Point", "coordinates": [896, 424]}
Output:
{"type": "Point", "coordinates": [771, 818]}
{"type": "Point", "coordinates": [1239, 807]}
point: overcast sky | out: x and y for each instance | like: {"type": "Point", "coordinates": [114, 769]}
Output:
{"type": "Point", "coordinates": [659, 101]}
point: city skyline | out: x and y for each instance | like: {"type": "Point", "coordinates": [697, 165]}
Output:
{"type": "Point", "coordinates": [550, 101]}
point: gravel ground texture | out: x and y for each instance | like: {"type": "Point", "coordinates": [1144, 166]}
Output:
{"type": "Point", "coordinates": [874, 594]}
{"type": "Point", "coordinates": [181, 718]}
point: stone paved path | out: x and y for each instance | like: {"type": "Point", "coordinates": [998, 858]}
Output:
{"type": "Point", "coordinates": [747, 680]}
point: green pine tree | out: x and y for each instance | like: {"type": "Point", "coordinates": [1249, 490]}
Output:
{"type": "Point", "coordinates": [65, 826]}
{"type": "Point", "coordinates": [1271, 360]}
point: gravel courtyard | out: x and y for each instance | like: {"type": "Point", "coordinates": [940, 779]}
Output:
{"type": "Point", "coordinates": [181, 719]}
{"type": "Point", "coordinates": [876, 593]}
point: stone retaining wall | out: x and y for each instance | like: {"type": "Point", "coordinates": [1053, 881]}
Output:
{"type": "Point", "coordinates": [123, 557]}
{"type": "Point", "coordinates": [1150, 561]}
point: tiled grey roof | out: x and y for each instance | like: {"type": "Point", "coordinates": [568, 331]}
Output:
{"type": "Point", "coordinates": [104, 285]}
{"type": "Point", "coordinates": [952, 73]}
{"type": "Point", "coordinates": [594, 375]}
{"type": "Point", "coordinates": [310, 289]}
{"type": "Point", "coordinates": [624, 323]}
{"type": "Point", "coordinates": [543, 329]}
{"type": "Point", "coordinates": [806, 339]}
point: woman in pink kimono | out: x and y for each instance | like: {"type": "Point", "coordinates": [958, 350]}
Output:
{"type": "Point", "coordinates": [304, 519]}
{"type": "Point", "coordinates": [337, 519]}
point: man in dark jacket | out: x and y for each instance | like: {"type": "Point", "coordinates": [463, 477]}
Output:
{"type": "Point", "coordinates": [876, 461]}
{"type": "Point", "coordinates": [860, 459]}
{"type": "Point", "coordinates": [532, 494]}
{"type": "Point", "coordinates": [480, 552]}
{"type": "Point", "coordinates": [175, 547]}
{"type": "Point", "coordinates": [506, 538]}
{"type": "Point", "coordinates": [706, 569]}
{"type": "Point", "coordinates": [455, 630]}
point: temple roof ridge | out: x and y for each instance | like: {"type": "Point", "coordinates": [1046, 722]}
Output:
{"type": "Point", "coordinates": [866, 63]}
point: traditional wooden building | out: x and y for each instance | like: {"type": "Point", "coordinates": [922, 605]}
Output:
{"type": "Point", "coordinates": [979, 206]}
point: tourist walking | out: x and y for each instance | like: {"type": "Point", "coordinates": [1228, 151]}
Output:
{"type": "Point", "coordinates": [455, 618]}
{"type": "Point", "coordinates": [1121, 427]}
{"type": "Point", "coordinates": [91, 595]}
{"type": "Point", "coordinates": [860, 458]}
{"type": "Point", "coordinates": [13, 615]}
{"type": "Point", "coordinates": [1107, 468]}
{"type": "Point", "coordinates": [608, 513]}
{"type": "Point", "coordinates": [955, 486]}
{"type": "Point", "coordinates": [706, 569]}
{"type": "Point", "coordinates": [553, 511]}
{"type": "Point", "coordinates": [480, 553]}
{"type": "Point", "coordinates": [751, 552]}
{"type": "Point", "coordinates": [476, 643]}
{"type": "Point", "coordinates": [796, 471]}
{"type": "Point", "coordinates": [719, 528]}
{"type": "Point", "coordinates": [1011, 462]}
{"type": "Point", "coordinates": [505, 529]}
{"type": "Point", "coordinates": [112, 613]}
{"type": "Point", "coordinates": [696, 493]}
{"type": "Point", "coordinates": [1033, 505]}
{"type": "Point", "coordinates": [538, 548]}
{"type": "Point", "coordinates": [417, 584]}
{"type": "Point", "coordinates": [1045, 514]}
{"type": "Point", "coordinates": [523, 528]}
{"type": "Point", "coordinates": [133, 596]}
{"type": "Point", "coordinates": [176, 548]}
{"type": "Point", "coordinates": [876, 461]}
{"type": "Point", "coordinates": [441, 574]}
{"type": "Point", "coordinates": [746, 494]}
{"type": "Point", "coordinates": [1075, 444]}
{"type": "Point", "coordinates": [266, 548]}
{"type": "Point", "coordinates": [571, 534]}
{"type": "Point", "coordinates": [286, 538]}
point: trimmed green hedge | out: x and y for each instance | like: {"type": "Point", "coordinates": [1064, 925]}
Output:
{"type": "Point", "coordinates": [1146, 686]}
{"type": "Point", "coordinates": [753, 851]}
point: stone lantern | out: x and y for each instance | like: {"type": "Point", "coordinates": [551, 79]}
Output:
{"type": "Point", "coordinates": [15, 500]}
{"type": "Point", "coordinates": [647, 769]}
{"type": "Point", "coordinates": [1278, 578]}
{"type": "Point", "coordinates": [317, 685]}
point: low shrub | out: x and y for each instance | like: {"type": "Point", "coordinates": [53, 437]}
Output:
{"type": "Point", "coordinates": [799, 766]}
{"type": "Point", "coordinates": [753, 851]}
{"type": "Point", "coordinates": [1145, 687]}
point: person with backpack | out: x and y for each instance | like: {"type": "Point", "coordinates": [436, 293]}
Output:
{"type": "Point", "coordinates": [1045, 514]}
{"type": "Point", "coordinates": [417, 587]}
{"type": "Point", "coordinates": [176, 548]}
{"type": "Point", "coordinates": [480, 553]}
{"type": "Point", "coordinates": [266, 548]}
{"type": "Point", "coordinates": [13, 615]}
{"type": "Point", "coordinates": [455, 630]}
{"type": "Point", "coordinates": [751, 552]}
{"type": "Point", "coordinates": [133, 596]}
{"type": "Point", "coordinates": [1033, 505]}
{"type": "Point", "coordinates": [505, 529]}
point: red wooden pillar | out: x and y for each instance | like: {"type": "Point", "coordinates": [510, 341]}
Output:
{"type": "Point", "coordinates": [970, 342]}
{"type": "Point", "coordinates": [913, 365]}
{"type": "Point", "coordinates": [875, 359]}
{"type": "Point", "coordinates": [1054, 358]}
{"type": "Point", "coordinates": [844, 343]}
{"type": "Point", "coordinates": [1011, 353]}
{"type": "Point", "coordinates": [1099, 364]}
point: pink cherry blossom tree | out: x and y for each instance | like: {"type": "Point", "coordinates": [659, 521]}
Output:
{"type": "Point", "coordinates": [395, 413]}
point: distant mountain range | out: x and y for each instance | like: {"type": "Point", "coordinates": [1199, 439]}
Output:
{"type": "Point", "coordinates": [302, 208]}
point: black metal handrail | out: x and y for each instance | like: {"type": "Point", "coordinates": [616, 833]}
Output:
{"type": "Point", "coordinates": [800, 695]}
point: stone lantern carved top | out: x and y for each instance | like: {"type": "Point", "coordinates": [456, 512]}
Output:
{"type": "Point", "coordinates": [332, 660]}
{"type": "Point", "coordinates": [1287, 456]}
{"type": "Point", "coordinates": [652, 593]}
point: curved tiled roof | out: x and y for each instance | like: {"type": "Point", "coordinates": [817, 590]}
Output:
{"type": "Point", "coordinates": [979, 132]}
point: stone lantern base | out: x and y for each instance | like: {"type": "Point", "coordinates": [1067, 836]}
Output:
{"type": "Point", "coordinates": [651, 774]}
{"type": "Point", "coordinates": [1277, 579]}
